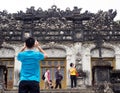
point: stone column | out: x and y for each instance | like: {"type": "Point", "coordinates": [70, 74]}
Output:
{"type": "Point", "coordinates": [87, 69]}
{"type": "Point", "coordinates": [70, 58]}
{"type": "Point", "coordinates": [117, 58]}
{"type": "Point", "coordinates": [17, 66]}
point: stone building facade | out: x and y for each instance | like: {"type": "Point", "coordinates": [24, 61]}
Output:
{"type": "Point", "coordinates": [67, 36]}
{"type": "Point", "coordinates": [70, 52]}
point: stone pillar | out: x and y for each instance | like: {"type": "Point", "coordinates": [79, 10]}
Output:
{"type": "Point", "coordinates": [70, 58]}
{"type": "Point", "coordinates": [17, 66]}
{"type": "Point", "coordinates": [88, 70]}
{"type": "Point", "coordinates": [16, 72]}
{"type": "Point", "coordinates": [117, 58]}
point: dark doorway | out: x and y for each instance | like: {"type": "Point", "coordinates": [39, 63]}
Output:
{"type": "Point", "coordinates": [101, 68]}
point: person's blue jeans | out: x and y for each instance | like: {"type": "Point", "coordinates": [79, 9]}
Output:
{"type": "Point", "coordinates": [29, 87]}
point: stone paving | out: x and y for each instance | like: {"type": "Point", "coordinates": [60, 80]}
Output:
{"type": "Point", "coordinates": [88, 90]}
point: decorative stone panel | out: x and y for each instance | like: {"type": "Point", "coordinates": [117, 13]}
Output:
{"type": "Point", "coordinates": [106, 52]}
{"type": "Point", "coordinates": [54, 52]}
{"type": "Point", "coordinates": [7, 52]}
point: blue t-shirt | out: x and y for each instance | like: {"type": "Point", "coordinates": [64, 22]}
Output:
{"type": "Point", "coordinates": [30, 68]}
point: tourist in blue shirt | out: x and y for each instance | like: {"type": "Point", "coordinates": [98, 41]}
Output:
{"type": "Point", "coordinates": [30, 66]}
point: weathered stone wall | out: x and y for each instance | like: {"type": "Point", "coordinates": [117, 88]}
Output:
{"type": "Point", "coordinates": [77, 53]}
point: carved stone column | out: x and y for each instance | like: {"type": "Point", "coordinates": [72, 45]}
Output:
{"type": "Point", "coordinates": [87, 68]}
{"type": "Point", "coordinates": [117, 58]}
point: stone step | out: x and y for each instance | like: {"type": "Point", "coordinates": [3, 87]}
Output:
{"type": "Point", "coordinates": [68, 91]}
{"type": "Point", "coordinates": [59, 91]}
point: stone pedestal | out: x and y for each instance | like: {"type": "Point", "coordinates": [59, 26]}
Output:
{"type": "Point", "coordinates": [81, 82]}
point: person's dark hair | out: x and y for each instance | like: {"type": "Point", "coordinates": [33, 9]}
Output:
{"type": "Point", "coordinates": [57, 66]}
{"type": "Point", "coordinates": [71, 64]}
{"type": "Point", "coordinates": [47, 69]}
{"type": "Point", "coordinates": [30, 42]}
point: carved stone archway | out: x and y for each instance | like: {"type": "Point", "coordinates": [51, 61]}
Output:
{"type": "Point", "coordinates": [55, 50]}
{"type": "Point", "coordinates": [7, 58]}
{"type": "Point", "coordinates": [106, 52]}
{"type": "Point", "coordinates": [6, 52]}
{"type": "Point", "coordinates": [102, 65]}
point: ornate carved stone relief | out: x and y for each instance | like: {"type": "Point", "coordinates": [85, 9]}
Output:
{"type": "Point", "coordinates": [6, 52]}
{"type": "Point", "coordinates": [106, 52]}
{"type": "Point", "coordinates": [55, 52]}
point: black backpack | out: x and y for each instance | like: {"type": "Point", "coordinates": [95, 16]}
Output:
{"type": "Point", "coordinates": [43, 76]}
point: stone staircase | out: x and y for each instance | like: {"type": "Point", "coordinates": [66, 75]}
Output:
{"type": "Point", "coordinates": [68, 91]}
{"type": "Point", "coordinates": [87, 90]}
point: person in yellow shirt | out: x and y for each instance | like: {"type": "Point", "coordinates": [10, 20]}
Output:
{"type": "Point", "coordinates": [73, 73]}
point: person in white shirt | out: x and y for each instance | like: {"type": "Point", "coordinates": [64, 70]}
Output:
{"type": "Point", "coordinates": [47, 78]}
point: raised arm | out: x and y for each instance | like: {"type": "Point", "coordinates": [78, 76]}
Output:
{"type": "Point", "coordinates": [37, 44]}
{"type": "Point", "coordinates": [23, 48]}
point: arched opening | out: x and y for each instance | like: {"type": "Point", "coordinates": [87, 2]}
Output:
{"type": "Point", "coordinates": [102, 66]}
{"type": "Point", "coordinates": [7, 60]}
{"type": "Point", "coordinates": [57, 56]}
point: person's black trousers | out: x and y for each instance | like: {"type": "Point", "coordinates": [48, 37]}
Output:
{"type": "Point", "coordinates": [29, 87]}
{"type": "Point", "coordinates": [73, 81]}
{"type": "Point", "coordinates": [58, 83]}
